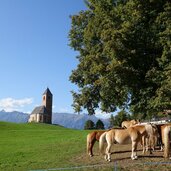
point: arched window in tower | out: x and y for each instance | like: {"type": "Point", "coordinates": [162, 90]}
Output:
{"type": "Point", "coordinates": [44, 98]}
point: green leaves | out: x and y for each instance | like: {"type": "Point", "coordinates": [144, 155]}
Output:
{"type": "Point", "coordinates": [124, 55]}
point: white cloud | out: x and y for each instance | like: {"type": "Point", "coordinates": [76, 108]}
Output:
{"type": "Point", "coordinates": [10, 104]}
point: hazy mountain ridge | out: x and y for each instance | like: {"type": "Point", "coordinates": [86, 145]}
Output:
{"type": "Point", "coordinates": [75, 121]}
{"type": "Point", "coordinates": [67, 120]}
{"type": "Point", "coordinates": [15, 116]}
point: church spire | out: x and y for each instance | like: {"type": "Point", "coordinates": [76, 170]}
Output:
{"type": "Point", "coordinates": [47, 91]}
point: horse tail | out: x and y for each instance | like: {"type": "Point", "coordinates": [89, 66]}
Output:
{"type": "Point", "coordinates": [166, 132]}
{"type": "Point", "coordinates": [102, 140]}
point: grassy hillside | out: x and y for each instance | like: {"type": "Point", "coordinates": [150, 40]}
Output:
{"type": "Point", "coordinates": [38, 146]}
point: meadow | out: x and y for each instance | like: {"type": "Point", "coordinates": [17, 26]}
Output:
{"type": "Point", "coordinates": [31, 146]}
{"type": "Point", "coordinates": [37, 146]}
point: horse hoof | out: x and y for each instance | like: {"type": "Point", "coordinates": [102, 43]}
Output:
{"type": "Point", "coordinates": [134, 158]}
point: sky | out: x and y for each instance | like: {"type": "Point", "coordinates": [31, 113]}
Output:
{"type": "Point", "coordinates": [34, 53]}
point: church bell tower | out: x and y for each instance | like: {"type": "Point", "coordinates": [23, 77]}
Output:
{"type": "Point", "coordinates": [47, 102]}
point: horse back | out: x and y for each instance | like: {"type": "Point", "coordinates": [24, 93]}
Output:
{"type": "Point", "coordinates": [95, 135]}
{"type": "Point", "coordinates": [121, 136]}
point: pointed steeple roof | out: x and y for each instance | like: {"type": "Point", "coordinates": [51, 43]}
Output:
{"type": "Point", "coordinates": [47, 91]}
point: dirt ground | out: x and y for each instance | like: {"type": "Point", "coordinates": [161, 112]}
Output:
{"type": "Point", "coordinates": [121, 160]}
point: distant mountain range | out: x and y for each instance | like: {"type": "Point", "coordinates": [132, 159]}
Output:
{"type": "Point", "coordinates": [75, 121]}
{"type": "Point", "coordinates": [67, 120]}
{"type": "Point", "coordinates": [15, 116]}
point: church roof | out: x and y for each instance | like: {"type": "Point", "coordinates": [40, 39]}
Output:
{"type": "Point", "coordinates": [40, 110]}
{"type": "Point", "coordinates": [47, 91]}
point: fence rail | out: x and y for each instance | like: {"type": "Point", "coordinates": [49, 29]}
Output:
{"type": "Point", "coordinates": [114, 165]}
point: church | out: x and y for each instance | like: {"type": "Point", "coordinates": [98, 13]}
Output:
{"type": "Point", "coordinates": [43, 113]}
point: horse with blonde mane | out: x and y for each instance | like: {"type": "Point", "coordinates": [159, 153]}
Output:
{"type": "Point", "coordinates": [132, 135]}
{"type": "Point", "coordinates": [127, 124]}
{"type": "Point", "coordinates": [91, 139]}
{"type": "Point", "coordinates": [166, 137]}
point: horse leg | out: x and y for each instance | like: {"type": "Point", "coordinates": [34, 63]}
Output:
{"type": "Point", "coordinates": [91, 148]}
{"type": "Point", "coordinates": [146, 144]}
{"type": "Point", "coordinates": [151, 142]}
{"type": "Point", "coordinates": [161, 147]}
{"type": "Point", "coordinates": [108, 154]}
{"type": "Point", "coordinates": [143, 144]}
{"type": "Point", "coordinates": [134, 149]}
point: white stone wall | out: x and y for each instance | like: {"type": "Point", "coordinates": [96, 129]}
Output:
{"type": "Point", "coordinates": [39, 118]}
{"type": "Point", "coordinates": [34, 118]}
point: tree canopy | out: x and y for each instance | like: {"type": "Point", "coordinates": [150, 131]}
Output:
{"type": "Point", "coordinates": [124, 56]}
{"type": "Point", "coordinates": [119, 118]}
{"type": "Point", "coordinates": [99, 124]}
{"type": "Point", "coordinates": [89, 124]}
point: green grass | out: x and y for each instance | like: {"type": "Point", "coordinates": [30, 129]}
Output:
{"type": "Point", "coordinates": [38, 146]}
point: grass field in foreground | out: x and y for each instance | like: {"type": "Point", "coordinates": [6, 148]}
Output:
{"type": "Point", "coordinates": [38, 146]}
{"type": "Point", "coordinates": [25, 147]}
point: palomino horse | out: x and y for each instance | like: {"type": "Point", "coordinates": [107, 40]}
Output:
{"type": "Point", "coordinates": [166, 137]}
{"type": "Point", "coordinates": [91, 139]}
{"type": "Point", "coordinates": [127, 124]}
{"type": "Point", "coordinates": [154, 137]}
{"type": "Point", "coordinates": [125, 136]}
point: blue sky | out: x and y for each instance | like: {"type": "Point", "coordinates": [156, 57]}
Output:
{"type": "Point", "coordinates": [34, 53]}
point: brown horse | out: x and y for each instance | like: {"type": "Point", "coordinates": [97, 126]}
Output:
{"type": "Point", "coordinates": [91, 139]}
{"type": "Point", "coordinates": [166, 137]}
{"type": "Point", "coordinates": [125, 136]}
{"type": "Point", "coordinates": [127, 124]}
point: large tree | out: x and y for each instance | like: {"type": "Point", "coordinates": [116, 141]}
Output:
{"type": "Point", "coordinates": [124, 55]}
